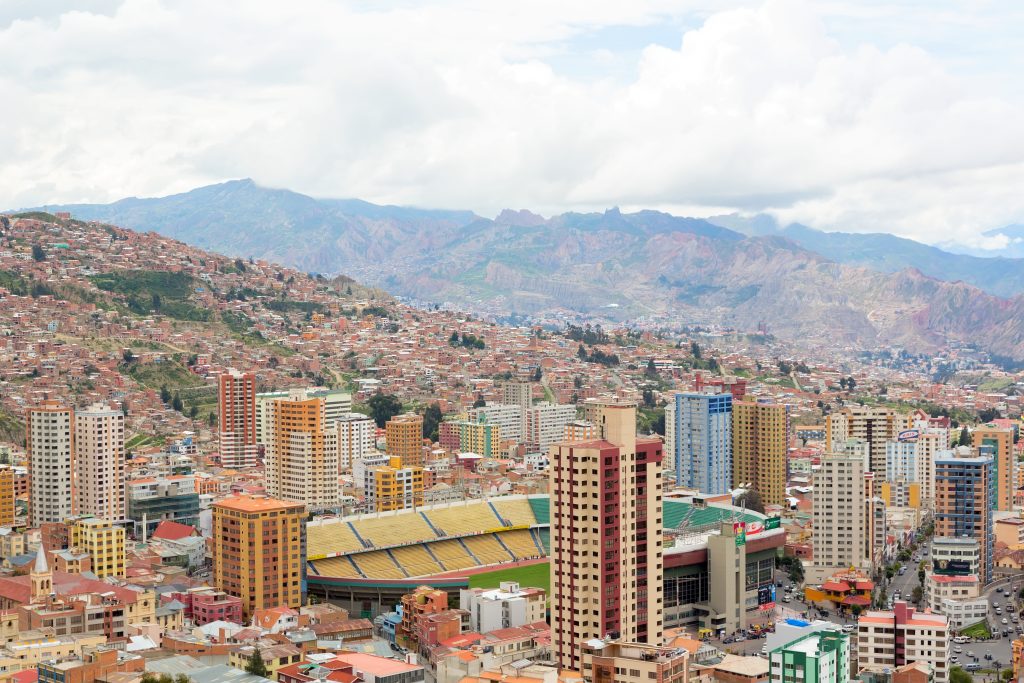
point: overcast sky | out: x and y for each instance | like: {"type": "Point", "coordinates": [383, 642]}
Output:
{"type": "Point", "coordinates": [903, 116]}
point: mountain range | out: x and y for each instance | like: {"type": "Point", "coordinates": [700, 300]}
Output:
{"type": "Point", "coordinates": [858, 290]}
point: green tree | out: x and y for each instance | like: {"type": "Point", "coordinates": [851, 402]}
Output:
{"type": "Point", "coordinates": [652, 369]}
{"type": "Point", "coordinates": [916, 595]}
{"type": "Point", "coordinates": [383, 407]}
{"type": "Point", "coordinates": [958, 675]}
{"type": "Point", "coordinates": [479, 402]}
{"type": "Point", "coordinates": [38, 253]}
{"type": "Point", "coordinates": [255, 665]}
{"type": "Point", "coordinates": [193, 411]}
{"type": "Point", "coordinates": [211, 420]}
{"type": "Point", "coordinates": [156, 301]}
{"type": "Point", "coordinates": [965, 436]}
{"type": "Point", "coordinates": [165, 394]}
{"type": "Point", "coordinates": [176, 402]}
{"type": "Point", "coordinates": [538, 374]}
{"type": "Point", "coordinates": [581, 353]}
{"type": "Point", "coordinates": [796, 570]}
{"type": "Point", "coordinates": [851, 383]}
{"type": "Point", "coordinates": [127, 355]}
{"type": "Point", "coordinates": [695, 350]}
{"type": "Point", "coordinates": [454, 339]}
{"type": "Point", "coordinates": [752, 500]}
{"type": "Point", "coordinates": [431, 420]}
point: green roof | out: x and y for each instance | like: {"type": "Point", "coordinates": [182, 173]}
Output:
{"type": "Point", "coordinates": [541, 506]}
{"type": "Point", "coordinates": [676, 511]}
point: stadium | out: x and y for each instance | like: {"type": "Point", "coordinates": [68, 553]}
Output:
{"type": "Point", "coordinates": [367, 562]}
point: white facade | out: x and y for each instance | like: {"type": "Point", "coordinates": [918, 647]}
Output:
{"type": "Point", "coordinates": [901, 461]}
{"type": "Point", "coordinates": [362, 467]}
{"type": "Point", "coordinates": [925, 639]}
{"type": "Point", "coordinates": [504, 607]}
{"type": "Point", "coordinates": [50, 441]}
{"type": "Point", "coordinates": [945, 549]}
{"type": "Point", "coordinates": [336, 404]}
{"type": "Point", "coordinates": [355, 438]}
{"type": "Point", "coordinates": [99, 462]}
{"type": "Point", "coordinates": [508, 417]}
{"type": "Point", "coordinates": [841, 523]}
{"type": "Point", "coordinates": [545, 424]}
{"type": "Point", "coordinates": [823, 657]}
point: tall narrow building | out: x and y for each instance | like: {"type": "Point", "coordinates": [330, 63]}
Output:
{"type": "Point", "coordinates": [844, 512]}
{"type": "Point", "coordinates": [698, 439]}
{"type": "Point", "coordinates": [99, 462]}
{"type": "Point", "coordinates": [1001, 442]}
{"type": "Point", "coordinates": [606, 536]}
{"type": "Point", "coordinates": [760, 444]}
{"type": "Point", "coordinates": [259, 551]}
{"type": "Point", "coordinates": [356, 438]}
{"type": "Point", "coordinates": [236, 408]}
{"type": "Point", "coordinates": [301, 458]}
{"type": "Point", "coordinates": [403, 435]}
{"type": "Point", "coordinates": [50, 442]}
{"type": "Point", "coordinates": [965, 489]}
{"type": "Point", "coordinates": [874, 426]}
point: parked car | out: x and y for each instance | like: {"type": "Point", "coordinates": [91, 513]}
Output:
{"type": "Point", "coordinates": [988, 656]}
{"type": "Point", "coordinates": [973, 666]}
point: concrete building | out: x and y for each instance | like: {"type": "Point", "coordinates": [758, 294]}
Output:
{"type": "Point", "coordinates": [606, 536]}
{"type": "Point", "coordinates": [503, 607]}
{"type": "Point", "coordinates": [236, 412]}
{"type": "Point", "coordinates": [521, 394]}
{"type": "Point", "coordinates": [965, 490]}
{"type": "Point", "coordinates": [616, 661]}
{"type": "Point", "coordinates": [958, 597]}
{"type": "Point", "coordinates": [509, 417]}
{"type": "Point", "coordinates": [820, 657]}
{"type": "Point", "coordinates": [403, 436]}
{"type": "Point", "coordinates": [545, 424]}
{"type": "Point", "coordinates": [393, 486]}
{"type": "Point", "coordinates": [356, 439]}
{"type": "Point", "coordinates": [50, 443]}
{"type": "Point", "coordinates": [7, 497]}
{"type": "Point", "coordinates": [99, 462]}
{"type": "Point", "coordinates": [846, 518]}
{"type": "Point", "coordinates": [960, 556]}
{"type": "Point", "coordinates": [336, 404]}
{"type": "Point", "coordinates": [259, 551]}
{"type": "Point", "coordinates": [472, 436]}
{"type": "Point", "coordinates": [698, 440]}
{"type": "Point", "coordinates": [872, 425]}
{"type": "Point", "coordinates": [152, 500]}
{"type": "Point", "coordinates": [1001, 443]}
{"type": "Point", "coordinates": [902, 636]}
{"type": "Point", "coordinates": [760, 444]}
{"type": "Point", "coordinates": [104, 542]}
{"type": "Point", "coordinates": [301, 458]}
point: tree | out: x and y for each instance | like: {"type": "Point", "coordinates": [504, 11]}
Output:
{"type": "Point", "coordinates": [193, 411]}
{"type": "Point", "coordinates": [751, 499]}
{"type": "Point", "coordinates": [383, 407]}
{"type": "Point", "coordinates": [851, 383]}
{"type": "Point", "coordinates": [37, 253]}
{"type": "Point", "coordinates": [156, 302]}
{"type": "Point", "coordinates": [239, 265]}
{"type": "Point", "coordinates": [255, 665]}
{"type": "Point", "coordinates": [648, 396]}
{"type": "Point", "coordinates": [127, 355]}
{"type": "Point", "coordinates": [176, 402]}
{"type": "Point", "coordinates": [431, 420]}
{"type": "Point", "coordinates": [842, 383]}
{"type": "Point", "coordinates": [479, 402]}
{"type": "Point", "coordinates": [916, 595]}
{"type": "Point", "coordinates": [454, 339]}
{"type": "Point", "coordinates": [538, 374]}
{"type": "Point", "coordinates": [965, 437]}
{"type": "Point", "coordinates": [958, 675]}
{"type": "Point", "coordinates": [652, 369]}
{"type": "Point", "coordinates": [211, 420]}
{"type": "Point", "coordinates": [796, 570]}
{"type": "Point", "coordinates": [695, 350]}
{"type": "Point", "coordinates": [165, 394]}
{"type": "Point", "coordinates": [856, 610]}
{"type": "Point", "coordinates": [581, 353]}
{"type": "Point", "coordinates": [987, 415]}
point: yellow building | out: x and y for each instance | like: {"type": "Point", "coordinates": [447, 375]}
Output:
{"type": "Point", "coordinates": [404, 437]}
{"type": "Point", "coordinates": [1001, 441]}
{"type": "Point", "coordinates": [6, 496]}
{"type": "Point", "coordinates": [274, 657]}
{"type": "Point", "coordinates": [32, 647]}
{"type": "Point", "coordinates": [760, 444]}
{"type": "Point", "coordinates": [394, 487]}
{"type": "Point", "coordinates": [302, 458]}
{"type": "Point", "coordinates": [258, 551]}
{"type": "Point", "coordinates": [901, 494]}
{"type": "Point", "coordinates": [103, 541]}
{"type": "Point", "coordinates": [480, 437]}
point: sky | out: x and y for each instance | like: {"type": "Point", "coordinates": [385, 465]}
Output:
{"type": "Point", "coordinates": [900, 116]}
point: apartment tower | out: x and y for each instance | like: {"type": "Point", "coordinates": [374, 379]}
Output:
{"type": "Point", "coordinates": [50, 442]}
{"type": "Point", "coordinates": [844, 513]}
{"type": "Point", "coordinates": [698, 438]}
{"type": "Point", "coordinates": [606, 536]}
{"type": "Point", "coordinates": [965, 490]}
{"type": "Point", "coordinates": [236, 407]}
{"type": "Point", "coordinates": [404, 438]}
{"type": "Point", "coordinates": [302, 458]}
{"type": "Point", "coordinates": [760, 444]}
{"type": "Point", "coordinates": [99, 462]}
{"type": "Point", "coordinates": [874, 426]}
{"type": "Point", "coordinates": [1001, 442]}
{"type": "Point", "coordinates": [259, 549]}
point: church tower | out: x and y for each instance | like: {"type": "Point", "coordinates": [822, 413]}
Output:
{"type": "Point", "coordinates": [42, 577]}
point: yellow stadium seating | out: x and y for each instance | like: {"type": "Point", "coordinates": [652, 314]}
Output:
{"type": "Point", "coordinates": [394, 529]}
{"type": "Point", "coordinates": [520, 543]}
{"type": "Point", "coordinates": [487, 549]}
{"type": "Point", "coordinates": [330, 537]}
{"type": "Point", "coordinates": [378, 565]}
{"type": "Point", "coordinates": [416, 560]}
{"type": "Point", "coordinates": [335, 566]}
{"type": "Point", "coordinates": [515, 510]}
{"type": "Point", "coordinates": [453, 555]}
{"type": "Point", "coordinates": [457, 520]}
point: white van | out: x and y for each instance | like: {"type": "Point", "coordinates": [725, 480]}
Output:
{"type": "Point", "coordinates": [961, 639]}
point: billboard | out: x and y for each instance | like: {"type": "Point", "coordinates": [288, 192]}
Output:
{"type": "Point", "coordinates": [772, 523]}
{"type": "Point", "coordinates": [951, 567]}
{"type": "Point", "coordinates": [766, 595]}
{"type": "Point", "coordinates": [909, 435]}
{"type": "Point", "coordinates": [739, 529]}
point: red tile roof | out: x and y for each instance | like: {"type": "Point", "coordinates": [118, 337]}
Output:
{"type": "Point", "coordinates": [173, 531]}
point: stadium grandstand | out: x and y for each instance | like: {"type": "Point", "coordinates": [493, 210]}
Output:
{"type": "Point", "coordinates": [368, 561]}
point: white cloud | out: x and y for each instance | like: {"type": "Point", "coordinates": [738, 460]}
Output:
{"type": "Point", "coordinates": [762, 107]}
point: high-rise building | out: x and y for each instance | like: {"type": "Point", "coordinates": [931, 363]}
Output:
{"type": "Point", "coordinates": [819, 657]}
{"type": "Point", "coordinates": [760, 445]}
{"type": "Point", "coordinates": [301, 457]}
{"type": "Point", "coordinates": [698, 439]}
{"type": "Point", "coordinates": [929, 444]}
{"type": "Point", "coordinates": [99, 462]}
{"type": "Point", "coordinates": [875, 426]}
{"type": "Point", "coordinates": [50, 442]}
{"type": "Point", "coordinates": [7, 496]}
{"type": "Point", "coordinates": [236, 406]}
{"type": "Point", "coordinates": [545, 424]}
{"type": "Point", "coordinates": [152, 500]}
{"type": "Point", "coordinates": [104, 543]}
{"type": "Point", "coordinates": [403, 435]}
{"type": "Point", "coordinates": [1001, 441]}
{"type": "Point", "coordinates": [510, 418]}
{"type": "Point", "coordinates": [356, 439]}
{"type": "Point", "coordinates": [843, 513]}
{"type": "Point", "coordinates": [393, 486]}
{"type": "Point", "coordinates": [606, 536]}
{"type": "Point", "coordinates": [336, 404]}
{"type": "Point", "coordinates": [520, 394]}
{"type": "Point", "coordinates": [965, 490]}
{"type": "Point", "coordinates": [902, 636]}
{"type": "Point", "coordinates": [259, 550]}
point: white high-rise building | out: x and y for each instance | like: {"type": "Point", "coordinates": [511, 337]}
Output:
{"type": "Point", "coordinates": [355, 438]}
{"type": "Point", "coordinates": [50, 443]}
{"type": "Point", "coordinates": [843, 514]}
{"type": "Point", "coordinates": [336, 404]}
{"type": "Point", "coordinates": [545, 425]}
{"type": "Point", "coordinates": [924, 638]}
{"type": "Point", "coordinates": [99, 462]}
{"type": "Point", "coordinates": [508, 417]}
{"type": "Point", "coordinates": [301, 453]}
